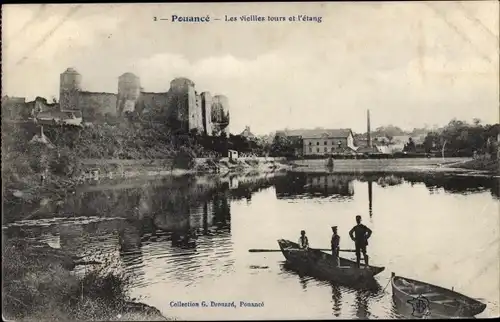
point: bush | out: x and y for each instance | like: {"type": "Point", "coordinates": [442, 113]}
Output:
{"type": "Point", "coordinates": [184, 158]}
{"type": "Point", "coordinates": [37, 288]}
{"type": "Point", "coordinates": [65, 163]}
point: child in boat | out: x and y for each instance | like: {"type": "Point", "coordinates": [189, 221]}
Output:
{"type": "Point", "coordinates": [303, 241]}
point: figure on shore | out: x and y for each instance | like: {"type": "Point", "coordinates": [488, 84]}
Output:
{"type": "Point", "coordinates": [329, 163]}
{"type": "Point", "coordinates": [360, 235]}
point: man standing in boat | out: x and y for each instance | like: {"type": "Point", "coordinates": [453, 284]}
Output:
{"type": "Point", "coordinates": [360, 234]}
{"type": "Point", "coordinates": [303, 241]}
{"type": "Point", "coordinates": [335, 244]}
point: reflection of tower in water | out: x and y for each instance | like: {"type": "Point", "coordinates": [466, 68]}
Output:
{"type": "Point", "coordinates": [222, 211]}
{"type": "Point", "coordinates": [129, 239]}
{"type": "Point", "coordinates": [370, 197]}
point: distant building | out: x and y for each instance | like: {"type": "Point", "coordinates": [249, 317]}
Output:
{"type": "Point", "coordinates": [232, 154]}
{"type": "Point", "coordinates": [13, 107]}
{"type": "Point", "coordinates": [60, 118]}
{"type": "Point", "coordinates": [398, 142]}
{"type": "Point", "coordinates": [246, 133]}
{"type": "Point", "coordinates": [323, 141]}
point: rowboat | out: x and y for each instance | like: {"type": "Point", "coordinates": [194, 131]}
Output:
{"type": "Point", "coordinates": [323, 265]}
{"type": "Point", "coordinates": [431, 300]}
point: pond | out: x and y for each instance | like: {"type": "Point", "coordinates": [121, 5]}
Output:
{"type": "Point", "coordinates": [187, 239]}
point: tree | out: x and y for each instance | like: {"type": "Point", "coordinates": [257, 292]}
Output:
{"type": "Point", "coordinates": [431, 141]}
{"type": "Point", "coordinates": [282, 146]}
{"type": "Point", "coordinates": [410, 146]}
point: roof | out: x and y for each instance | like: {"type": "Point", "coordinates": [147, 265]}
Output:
{"type": "Point", "coordinates": [247, 133]}
{"type": "Point", "coordinates": [129, 75]}
{"type": "Point", "coordinates": [318, 133]}
{"type": "Point", "coordinates": [64, 114]}
{"type": "Point", "coordinates": [71, 70]}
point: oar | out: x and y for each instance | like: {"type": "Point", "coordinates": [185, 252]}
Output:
{"type": "Point", "coordinates": [279, 250]}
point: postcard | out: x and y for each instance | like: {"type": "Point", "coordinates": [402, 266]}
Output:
{"type": "Point", "coordinates": [250, 161]}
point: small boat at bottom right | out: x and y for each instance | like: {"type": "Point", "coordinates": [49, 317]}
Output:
{"type": "Point", "coordinates": [432, 301]}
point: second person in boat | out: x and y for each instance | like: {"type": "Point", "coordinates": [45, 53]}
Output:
{"type": "Point", "coordinates": [360, 234]}
{"type": "Point", "coordinates": [335, 245]}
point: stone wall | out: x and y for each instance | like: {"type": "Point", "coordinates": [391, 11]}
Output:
{"type": "Point", "coordinates": [153, 101]}
{"type": "Point", "coordinates": [95, 105]}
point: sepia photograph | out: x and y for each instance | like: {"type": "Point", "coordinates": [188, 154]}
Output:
{"type": "Point", "coordinates": [250, 161]}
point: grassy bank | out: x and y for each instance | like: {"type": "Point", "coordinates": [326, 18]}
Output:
{"type": "Point", "coordinates": [491, 166]}
{"type": "Point", "coordinates": [422, 165]}
{"type": "Point", "coordinates": [38, 286]}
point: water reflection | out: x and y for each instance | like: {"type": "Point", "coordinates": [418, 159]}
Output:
{"type": "Point", "coordinates": [176, 233]}
{"type": "Point", "coordinates": [361, 304]}
{"type": "Point", "coordinates": [336, 300]}
{"type": "Point", "coordinates": [362, 294]}
{"type": "Point", "coordinates": [370, 197]}
{"type": "Point", "coordinates": [303, 184]}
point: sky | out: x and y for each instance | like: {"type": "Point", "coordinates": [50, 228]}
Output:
{"type": "Point", "coordinates": [411, 64]}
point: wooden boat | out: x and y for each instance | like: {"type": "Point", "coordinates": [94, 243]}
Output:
{"type": "Point", "coordinates": [323, 265]}
{"type": "Point", "coordinates": [439, 302]}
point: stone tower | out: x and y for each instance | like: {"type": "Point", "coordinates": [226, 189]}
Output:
{"type": "Point", "coordinates": [129, 90]}
{"type": "Point", "coordinates": [182, 100]}
{"type": "Point", "coordinates": [220, 114]}
{"type": "Point", "coordinates": [206, 111]}
{"type": "Point", "coordinates": [69, 89]}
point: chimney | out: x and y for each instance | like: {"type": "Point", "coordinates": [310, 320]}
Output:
{"type": "Point", "coordinates": [368, 135]}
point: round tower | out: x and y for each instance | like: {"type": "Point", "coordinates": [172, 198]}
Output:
{"type": "Point", "coordinates": [69, 89]}
{"type": "Point", "coordinates": [206, 110]}
{"type": "Point", "coordinates": [129, 86]}
{"type": "Point", "coordinates": [129, 90]}
{"type": "Point", "coordinates": [183, 104]}
{"type": "Point", "coordinates": [220, 112]}
{"type": "Point", "coordinates": [181, 84]}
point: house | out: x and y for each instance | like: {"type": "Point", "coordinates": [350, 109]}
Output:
{"type": "Point", "coordinates": [232, 154]}
{"type": "Point", "coordinates": [14, 108]}
{"type": "Point", "coordinates": [246, 133]}
{"type": "Point", "coordinates": [398, 142]}
{"type": "Point", "coordinates": [322, 141]}
{"type": "Point", "coordinates": [55, 117]}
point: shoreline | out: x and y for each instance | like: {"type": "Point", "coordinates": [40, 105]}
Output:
{"type": "Point", "coordinates": [452, 166]}
{"type": "Point", "coordinates": [32, 190]}
{"type": "Point", "coordinates": [96, 295]}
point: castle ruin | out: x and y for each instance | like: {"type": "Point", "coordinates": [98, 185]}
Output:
{"type": "Point", "coordinates": [181, 103]}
